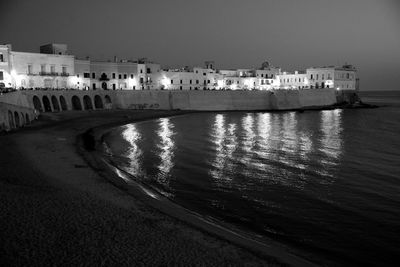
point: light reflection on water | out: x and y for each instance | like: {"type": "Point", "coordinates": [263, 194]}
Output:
{"type": "Point", "coordinates": [274, 148]}
{"type": "Point", "coordinates": [131, 135]}
{"type": "Point", "coordinates": [165, 150]}
{"type": "Point", "coordinates": [225, 143]}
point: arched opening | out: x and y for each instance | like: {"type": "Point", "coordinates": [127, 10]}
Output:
{"type": "Point", "coordinates": [22, 119]}
{"type": "Point", "coordinates": [46, 104]}
{"type": "Point", "coordinates": [104, 85]}
{"type": "Point", "coordinates": [16, 118]}
{"type": "Point", "coordinates": [108, 99]}
{"type": "Point", "coordinates": [76, 103]}
{"type": "Point", "coordinates": [87, 102]}
{"type": "Point", "coordinates": [27, 120]}
{"type": "Point", "coordinates": [63, 103]}
{"type": "Point", "coordinates": [11, 120]}
{"type": "Point", "coordinates": [98, 102]}
{"type": "Point", "coordinates": [36, 103]}
{"type": "Point", "coordinates": [54, 102]}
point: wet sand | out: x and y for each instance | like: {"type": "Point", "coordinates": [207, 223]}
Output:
{"type": "Point", "coordinates": [56, 210]}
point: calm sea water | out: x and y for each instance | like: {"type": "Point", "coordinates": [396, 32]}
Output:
{"type": "Point", "coordinates": [324, 181]}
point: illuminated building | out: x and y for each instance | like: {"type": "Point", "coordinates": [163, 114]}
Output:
{"type": "Point", "coordinates": [54, 68]}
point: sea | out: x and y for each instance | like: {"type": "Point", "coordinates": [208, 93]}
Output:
{"type": "Point", "coordinates": [324, 182]}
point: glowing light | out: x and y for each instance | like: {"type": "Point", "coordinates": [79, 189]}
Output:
{"type": "Point", "coordinates": [132, 82]}
{"type": "Point", "coordinates": [338, 88]}
{"type": "Point", "coordinates": [220, 84]}
{"type": "Point", "coordinates": [165, 82]}
{"type": "Point", "coordinates": [13, 74]}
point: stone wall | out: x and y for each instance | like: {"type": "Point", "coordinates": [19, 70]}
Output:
{"type": "Point", "coordinates": [14, 117]}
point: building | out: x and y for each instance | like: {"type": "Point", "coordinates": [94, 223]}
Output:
{"type": "Point", "coordinates": [54, 68]}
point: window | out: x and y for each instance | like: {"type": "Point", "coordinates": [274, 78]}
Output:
{"type": "Point", "coordinates": [197, 81]}
{"type": "Point", "coordinates": [1, 57]}
{"type": "Point", "coordinates": [172, 81]}
{"type": "Point", "coordinates": [125, 76]}
{"type": "Point", "coordinates": [180, 87]}
{"type": "Point", "coordinates": [208, 81]}
{"type": "Point", "coordinates": [141, 79]}
{"type": "Point", "coordinates": [131, 76]}
{"type": "Point", "coordinates": [77, 76]}
{"type": "Point", "coordinates": [52, 69]}
{"type": "Point", "coordinates": [262, 75]}
{"type": "Point", "coordinates": [29, 69]}
{"type": "Point", "coordinates": [317, 77]}
{"type": "Point", "coordinates": [42, 68]}
{"type": "Point", "coordinates": [93, 76]}
{"type": "Point", "coordinates": [329, 76]}
{"type": "Point", "coordinates": [64, 70]}
{"type": "Point", "coordinates": [181, 82]}
{"type": "Point", "coordinates": [141, 71]}
{"type": "Point", "coordinates": [190, 81]}
{"type": "Point", "coordinates": [323, 76]}
{"type": "Point", "coordinates": [311, 77]}
{"type": "Point", "coordinates": [119, 76]}
{"type": "Point", "coordinates": [1, 76]}
{"type": "Point", "coordinates": [86, 75]}
{"type": "Point", "coordinates": [347, 75]}
{"type": "Point", "coordinates": [113, 75]}
{"type": "Point", "coordinates": [148, 70]}
{"type": "Point", "coordinates": [204, 74]}
{"type": "Point", "coordinates": [94, 86]}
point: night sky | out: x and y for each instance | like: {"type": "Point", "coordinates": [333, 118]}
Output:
{"type": "Point", "coordinates": [291, 34]}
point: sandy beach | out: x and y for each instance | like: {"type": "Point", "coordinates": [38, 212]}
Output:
{"type": "Point", "coordinates": [56, 210]}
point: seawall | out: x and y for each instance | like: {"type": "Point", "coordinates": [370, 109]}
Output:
{"type": "Point", "coordinates": [62, 100]}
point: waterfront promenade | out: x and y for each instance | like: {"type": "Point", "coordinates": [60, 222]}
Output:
{"type": "Point", "coordinates": [55, 210]}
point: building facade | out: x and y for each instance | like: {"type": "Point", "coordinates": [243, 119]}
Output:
{"type": "Point", "coordinates": [54, 68]}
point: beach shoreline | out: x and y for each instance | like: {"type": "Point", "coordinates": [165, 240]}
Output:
{"type": "Point", "coordinates": [56, 210]}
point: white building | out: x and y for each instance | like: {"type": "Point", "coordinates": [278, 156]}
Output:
{"type": "Point", "coordinates": [54, 68]}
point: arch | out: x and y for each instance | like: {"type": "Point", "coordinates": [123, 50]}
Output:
{"type": "Point", "coordinates": [63, 103]}
{"type": "Point", "coordinates": [16, 118]}
{"type": "Point", "coordinates": [27, 120]}
{"type": "Point", "coordinates": [46, 104]}
{"type": "Point", "coordinates": [11, 120]}
{"type": "Point", "coordinates": [107, 98]}
{"type": "Point", "coordinates": [87, 102]}
{"type": "Point", "coordinates": [54, 101]}
{"type": "Point", "coordinates": [37, 104]}
{"type": "Point", "coordinates": [104, 85]}
{"type": "Point", "coordinates": [76, 103]}
{"type": "Point", "coordinates": [22, 119]}
{"type": "Point", "coordinates": [98, 102]}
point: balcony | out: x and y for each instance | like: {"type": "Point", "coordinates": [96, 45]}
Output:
{"type": "Point", "coordinates": [42, 73]}
{"type": "Point", "coordinates": [64, 74]}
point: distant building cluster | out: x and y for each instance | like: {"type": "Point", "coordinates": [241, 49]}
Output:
{"type": "Point", "coordinates": [54, 68]}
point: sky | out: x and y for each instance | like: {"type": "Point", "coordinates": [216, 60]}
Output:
{"type": "Point", "coordinates": [291, 34]}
